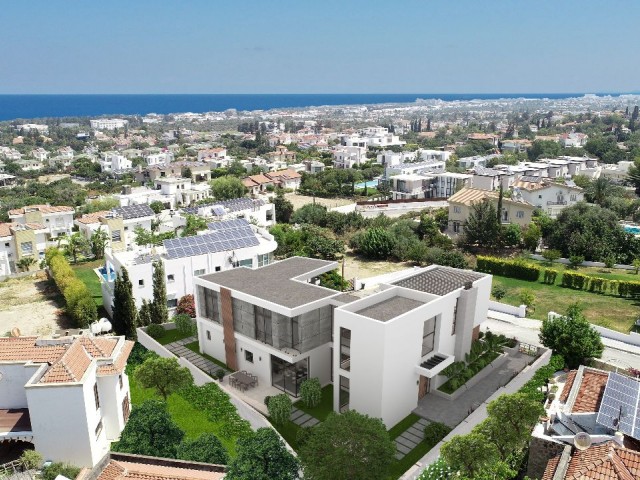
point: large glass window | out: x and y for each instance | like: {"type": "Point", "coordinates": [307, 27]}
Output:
{"type": "Point", "coordinates": [263, 325]}
{"type": "Point", "coordinates": [344, 394]}
{"type": "Point", "coordinates": [287, 376]}
{"type": "Point", "coordinates": [208, 303]}
{"type": "Point", "coordinates": [428, 336]}
{"type": "Point", "coordinates": [345, 349]}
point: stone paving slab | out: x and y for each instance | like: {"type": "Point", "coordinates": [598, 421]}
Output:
{"type": "Point", "coordinates": [423, 421]}
{"type": "Point", "coordinates": [402, 449]}
{"type": "Point", "coordinates": [302, 419]}
{"type": "Point", "coordinates": [399, 455]}
{"type": "Point", "coordinates": [418, 432]}
{"type": "Point", "coordinates": [411, 436]}
{"type": "Point", "coordinates": [406, 442]}
{"type": "Point", "coordinates": [295, 413]}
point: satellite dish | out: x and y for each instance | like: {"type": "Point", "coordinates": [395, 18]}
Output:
{"type": "Point", "coordinates": [582, 440]}
{"type": "Point", "coordinates": [15, 332]}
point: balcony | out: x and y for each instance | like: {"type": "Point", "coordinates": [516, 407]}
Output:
{"type": "Point", "coordinates": [556, 203]}
{"type": "Point", "coordinates": [345, 364]}
{"type": "Point", "coordinates": [433, 363]}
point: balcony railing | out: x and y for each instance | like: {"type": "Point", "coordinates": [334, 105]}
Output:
{"type": "Point", "coordinates": [346, 364]}
{"type": "Point", "coordinates": [556, 203]}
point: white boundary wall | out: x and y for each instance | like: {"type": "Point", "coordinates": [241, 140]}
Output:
{"type": "Point", "coordinates": [519, 312]}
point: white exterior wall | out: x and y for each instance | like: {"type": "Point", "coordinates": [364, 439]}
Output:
{"type": "Point", "coordinates": [547, 198]}
{"type": "Point", "coordinates": [13, 377]}
{"type": "Point", "coordinates": [7, 255]}
{"type": "Point", "coordinates": [67, 412]}
{"type": "Point", "coordinates": [111, 397]}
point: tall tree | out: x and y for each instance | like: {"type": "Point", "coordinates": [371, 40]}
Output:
{"type": "Point", "coordinates": [283, 207]}
{"type": "Point", "coordinates": [144, 315]}
{"type": "Point", "coordinates": [159, 310]}
{"type": "Point", "coordinates": [150, 431]}
{"type": "Point", "coordinates": [124, 316]}
{"type": "Point", "coordinates": [572, 336]}
{"type": "Point", "coordinates": [262, 456]}
{"type": "Point", "coordinates": [165, 375]}
{"type": "Point", "coordinates": [470, 454]}
{"type": "Point", "coordinates": [499, 209]}
{"type": "Point", "coordinates": [227, 188]}
{"type": "Point", "coordinates": [77, 245]}
{"type": "Point", "coordinates": [358, 445]}
{"type": "Point", "coordinates": [481, 227]}
{"type": "Point", "coordinates": [207, 448]}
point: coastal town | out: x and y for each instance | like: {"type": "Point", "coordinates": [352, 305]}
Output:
{"type": "Point", "coordinates": [447, 287]}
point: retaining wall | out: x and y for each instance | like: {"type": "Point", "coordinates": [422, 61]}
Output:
{"type": "Point", "coordinates": [519, 312]}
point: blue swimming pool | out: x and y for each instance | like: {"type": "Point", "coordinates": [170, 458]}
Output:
{"type": "Point", "coordinates": [369, 184]}
{"type": "Point", "coordinates": [635, 229]}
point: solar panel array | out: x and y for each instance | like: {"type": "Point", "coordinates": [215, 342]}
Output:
{"type": "Point", "coordinates": [234, 205]}
{"type": "Point", "coordinates": [223, 237]}
{"type": "Point", "coordinates": [134, 211]}
{"type": "Point", "coordinates": [620, 406]}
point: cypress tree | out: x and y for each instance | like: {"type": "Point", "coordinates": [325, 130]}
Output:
{"type": "Point", "coordinates": [124, 307]}
{"type": "Point", "coordinates": [499, 210]}
{"type": "Point", "coordinates": [159, 311]}
{"type": "Point", "coordinates": [144, 315]}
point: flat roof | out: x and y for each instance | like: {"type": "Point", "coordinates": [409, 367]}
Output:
{"type": "Point", "coordinates": [439, 280]}
{"type": "Point", "coordinates": [274, 283]}
{"type": "Point", "coordinates": [390, 308]}
{"type": "Point", "coordinates": [15, 420]}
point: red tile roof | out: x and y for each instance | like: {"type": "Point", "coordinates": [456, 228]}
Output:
{"type": "Point", "coordinates": [607, 461]}
{"type": "Point", "coordinates": [42, 209]}
{"type": "Point", "coordinates": [89, 218]}
{"type": "Point", "coordinates": [590, 389]}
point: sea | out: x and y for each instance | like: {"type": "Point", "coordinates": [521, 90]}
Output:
{"type": "Point", "coordinates": [43, 106]}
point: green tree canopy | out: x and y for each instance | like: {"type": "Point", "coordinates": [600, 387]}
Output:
{"type": "Point", "coordinates": [165, 375]}
{"type": "Point", "coordinates": [125, 313]}
{"type": "Point", "coordinates": [262, 456]}
{"type": "Point", "coordinates": [572, 336]}
{"type": "Point", "coordinates": [470, 454]}
{"type": "Point", "coordinates": [482, 227]}
{"type": "Point", "coordinates": [150, 431]}
{"type": "Point", "coordinates": [283, 207]}
{"type": "Point", "coordinates": [207, 448]}
{"type": "Point", "coordinates": [158, 310]}
{"type": "Point", "coordinates": [227, 188]}
{"type": "Point", "coordinates": [350, 446]}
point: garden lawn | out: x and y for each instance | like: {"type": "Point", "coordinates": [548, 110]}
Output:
{"type": "Point", "coordinates": [609, 273]}
{"type": "Point", "coordinates": [192, 421]}
{"type": "Point", "coordinates": [174, 335]}
{"type": "Point", "coordinates": [322, 410]}
{"type": "Point", "coordinates": [85, 272]}
{"type": "Point", "coordinates": [605, 310]}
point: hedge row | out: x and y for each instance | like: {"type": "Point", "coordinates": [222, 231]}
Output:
{"type": "Point", "coordinates": [579, 281]}
{"type": "Point", "coordinates": [80, 304]}
{"type": "Point", "coordinates": [550, 276]}
{"type": "Point", "coordinates": [508, 268]}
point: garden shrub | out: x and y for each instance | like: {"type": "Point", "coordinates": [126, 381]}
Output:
{"type": "Point", "coordinates": [508, 268]}
{"type": "Point", "coordinates": [280, 408]}
{"type": "Point", "coordinates": [184, 324]}
{"type": "Point", "coordinates": [498, 292]}
{"type": "Point", "coordinates": [311, 392]}
{"type": "Point", "coordinates": [434, 432]}
{"type": "Point", "coordinates": [155, 331]}
{"type": "Point", "coordinates": [550, 276]}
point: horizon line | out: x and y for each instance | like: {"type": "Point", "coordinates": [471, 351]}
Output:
{"type": "Point", "coordinates": [347, 93]}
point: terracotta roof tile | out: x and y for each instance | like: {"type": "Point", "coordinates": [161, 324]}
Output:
{"type": "Point", "coordinates": [590, 391]}
{"type": "Point", "coordinates": [71, 367]}
{"type": "Point", "coordinates": [551, 468]}
{"type": "Point", "coordinates": [42, 209]}
{"type": "Point", "coordinates": [99, 347]}
{"type": "Point", "coordinates": [606, 461]}
{"type": "Point", "coordinates": [24, 349]}
{"type": "Point", "coordinates": [119, 470]}
{"type": "Point", "coordinates": [571, 376]}
{"type": "Point", "coordinates": [90, 218]}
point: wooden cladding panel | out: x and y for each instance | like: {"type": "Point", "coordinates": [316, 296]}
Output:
{"type": "Point", "coordinates": [226, 302]}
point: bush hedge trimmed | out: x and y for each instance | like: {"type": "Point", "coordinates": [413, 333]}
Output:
{"type": "Point", "coordinates": [508, 268]}
{"type": "Point", "coordinates": [579, 281]}
{"type": "Point", "coordinates": [550, 276]}
{"type": "Point", "coordinates": [80, 304]}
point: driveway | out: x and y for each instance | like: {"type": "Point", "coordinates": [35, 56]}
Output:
{"type": "Point", "coordinates": [451, 412]}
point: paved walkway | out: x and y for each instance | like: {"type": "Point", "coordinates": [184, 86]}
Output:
{"type": "Point", "coordinates": [178, 348]}
{"type": "Point", "coordinates": [410, 438]}
{"type": "Point", "coordinates": [302, 419]}
{"type": "Point", "coordinates": [451, 412]}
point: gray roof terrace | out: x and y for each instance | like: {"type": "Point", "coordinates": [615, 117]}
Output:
{"type": "Point", "coordinates": [275, 282]}
{"type": "Point", "coordinates": [387, 309]}
{"type": "Point", "coordinates": [439, 280]}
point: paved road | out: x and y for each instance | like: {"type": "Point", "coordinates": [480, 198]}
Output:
{"type": "Point", "coordinates": [526, 330]}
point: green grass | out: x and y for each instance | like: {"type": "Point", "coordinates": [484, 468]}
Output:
{"type": "Point", "coordinates": [609, 273]}
{"type": "Point", "coordinates": [447, 387]}
{"type": "Point", "coordinates": [402, 425]}
{"type": "Point", "coordinates": [192, 421]}
{"type": "Point", "coordinates": [174, 335]}
{"type": "Point", "coordinates": [85, 272]}
{"type": "Point", "coordinates": [322, 410]}
{"type": "Point", "coordinates": [605, 310]}
{"type": "Point", "coordinates": [194, 347]}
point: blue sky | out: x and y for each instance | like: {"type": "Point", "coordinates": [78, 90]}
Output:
{"type": "Point", "coordinates": [322, 46]}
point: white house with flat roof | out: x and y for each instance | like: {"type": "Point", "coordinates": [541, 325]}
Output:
{"type": "Point", "coordinates": [382, 349]}
{"type": "Point", "coordinates": [254, 210]}
{"type": "Point", "coordinates": [58, 220]}
{"type": "Point", "coordinates": [67, 396]}
{"type": "Point", "coordinates": [108, 123]}
{"type": "Point", "coordinates": [224, 245]}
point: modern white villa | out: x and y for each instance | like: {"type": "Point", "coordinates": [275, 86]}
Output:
{"type": "Point", "coordinates": [68, 396]}
{"type": "Point", "coordinates": [381, 348]}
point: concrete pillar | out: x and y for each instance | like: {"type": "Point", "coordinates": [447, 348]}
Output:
{"type": "Point", "coordinates": [465, 314]}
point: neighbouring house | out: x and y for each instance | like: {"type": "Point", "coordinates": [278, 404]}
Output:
{"type": "Point", "coordinates": [162, 158]}
{"type": "Point", "coordinates": [66, 153]}
{"type": "Point", "coordinates": [484, 137]}
{"type": "Point", "coordinates": [282, 154]}
{"type": "Point", "coordinates": [573, 139]}
{"type": "Point", "coordinates": [119, 224]}
{"type": "Point", "coordinates": [391, 158]}
{"type": "Point", "coordinates": [29, 165]}
{"type": "Point", "coordinates": [108, 123]}
{"type": "Point", "coordinates": [382, 349]}
{"type": "Point", "coordinates": [547, 195]}
{"type": "Point", "coordinates": [146, 175]}
{"type": "Point", "coordinates": [260, 183]}
{"type": "Point", "coordinates": [213, 155]}
{"type": "Point", "coordinates": [179, 191]}
{"type": "Point", "coordinates": [40, 154]}
{"type": "Point", "coordinates": [349, 156]}
{"type": "Point", "coordinates": [114, 162]}
{"type": "Point", "coordinates": [516, 145]}
{"type": "Point", "coordinates": [591, 429]}
{"type": "Point", "coordinates": [18, 241]}
{"type": "Point", "coordinates": [7, 181]}
{"type": "Point", "coordinates": [28, 127]}
{"type": "Point", "coordinates": [58, 220]}
{"type": "Point", "coordinates": [252, 210]}
{"type": "Point", "coordinates": [123, 466]}
{"type": "Point", "coordinates": [491, 178]}
{"type": "Point", "coordinates": [371, 137]}
{"type": "Point", "coordinates": [67, 396]}
{"type": "Point", "coordinates": [224, 245]}
{"type": "Point", "coordinates": [461, 204]}
{"type": "Point", "coordinates": [477, 160]}
{"type": "Point", "coordinates": [313, 166]}
{"type": "Point", "coordinates": [617, 173]}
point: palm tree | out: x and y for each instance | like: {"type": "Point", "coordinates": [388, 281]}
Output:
{"type": "Point", "coordinates": [99, 242]}
{"type": "Point", "coordinates": [77, 245]}
{"type": "Point", "coordinates": [599, 189]}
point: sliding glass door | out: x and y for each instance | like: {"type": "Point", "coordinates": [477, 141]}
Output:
{"type": "Point", "coordinates": [287, 376]}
